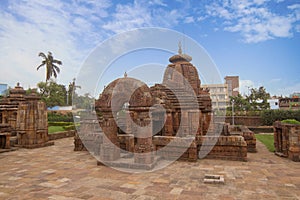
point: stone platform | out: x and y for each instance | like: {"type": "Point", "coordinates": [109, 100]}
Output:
{"type": "Point", "coordinates": [58, 172]}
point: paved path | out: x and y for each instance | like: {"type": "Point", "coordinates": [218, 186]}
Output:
{"type": "Point", "coordinates": [57, 172]}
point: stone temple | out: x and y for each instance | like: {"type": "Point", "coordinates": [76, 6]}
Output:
{"type": "Point", "coordinates": [171, 120]}
{"type": "Point", "coordinates": [23, 120]}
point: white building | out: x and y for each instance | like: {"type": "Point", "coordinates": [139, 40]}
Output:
{"type": "Point", "coordinates": [274, 103]}
{"type": "Point", "coordinates": [219, 96]}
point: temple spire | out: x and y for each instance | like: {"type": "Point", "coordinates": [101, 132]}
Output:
{"type": "Point", "coordinates": [180, 57]}
{"type": "Point", "coordinates": [179, 48]}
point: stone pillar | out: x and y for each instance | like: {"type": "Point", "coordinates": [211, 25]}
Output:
{"type": "Point", "coordinates": [193, 152]}
{"type": "Point", "coordinates": [184, 124]}
{"type": "Point", "coordinates": [143, 151]}
{"type": "Point", "coordinates": [32, 123]}
{"type": "Point", "coordinates": [206, 121]}
{"type": "Point", "coordinates": [110, 149]}
{"type": "Point", "coordinates": [169, 124]}
{"type": "Point", "coordinates": [142, 130]}
{"type": "Point", "coordinates": [128, 123]}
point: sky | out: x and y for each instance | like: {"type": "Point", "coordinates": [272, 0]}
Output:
{"type": "Point", "coordinates": [258, 40]}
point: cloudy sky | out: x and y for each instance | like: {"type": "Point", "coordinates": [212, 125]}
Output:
{"type": "Point", "coordinates": [258, 40]}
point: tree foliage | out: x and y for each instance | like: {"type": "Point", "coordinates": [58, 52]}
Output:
{"type": "Point", "coordinates": [270, 116]}
{"type": "Point", "coordinates": [84, 102]}
{"type": "Point", "coordinates": [59, 117]}
{"type": "Point", "coordinates": [53, 94]}
{"type": "Point", "coordinates": [51, 65]}
{"type": "Point", "coordinates": [257, 100]}
{"type": "Point", "coordinates": [240, 103]}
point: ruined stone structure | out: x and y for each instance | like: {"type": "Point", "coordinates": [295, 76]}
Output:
{"type": "Point", "coordinates": [287, 140]}
{"type": "Point", "coordinates": [26, 118]}
{"type": "Point", "coordinates": [171, 120]}
{"type": "Point", "coordinates": [5, 133]}
{"type": "Point", "coordinates": [248, 136]}
{"type": "Point", "coordinates": [92, 137]}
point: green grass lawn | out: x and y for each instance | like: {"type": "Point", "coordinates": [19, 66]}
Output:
{"type": "Point", "coordinates": [53, 129]}
{"type": "Point", "coordinates": [267, 140]}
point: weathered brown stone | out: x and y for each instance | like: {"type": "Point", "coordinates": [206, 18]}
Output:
{"type": "Point", "coordinates": [171, 120]}
{"type": "Point", "coordinates": [5, 133]}
{"type": "Point", "coordinates": [287, 140]}
{"type": "Point", "coordinates": [27, 117]}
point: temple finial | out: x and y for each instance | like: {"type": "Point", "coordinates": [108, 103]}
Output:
{"type": "Point", "coordinates": [179, 48]}
{"type": "Point", "coordinates": [125, 75]}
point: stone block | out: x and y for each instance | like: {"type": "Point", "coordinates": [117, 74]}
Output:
{"type": "Point", "coordinates": [286, 140]}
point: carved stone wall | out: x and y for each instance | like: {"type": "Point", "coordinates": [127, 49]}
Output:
{"type": "Point", "coordinates": [287, 140]}
{"type": "Point", "coordinates": [5, 133]}
{"type": "Point", "coordinates": [250, 139]}
{"type": "Point", "coordinates": [223, 147]}
{"type": "Point", "coordinates": [171, 120]}
{"type": "Point", "coordinates": [32, 123]}
{"type": "Point", "coordinates": [9, 108]}
{"type": "Point", "coordinates": [137, 94]}
{"type": "Point", "coordinates": [27, 117]}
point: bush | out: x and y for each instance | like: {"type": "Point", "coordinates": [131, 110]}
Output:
{"type": "Point", "coordinates": [270, 116]}
{"type": "Point", "coordinates": [59, 117]}
{"type": "Point", "coordinates": [60, 123]}
{"type": "Point", "coordinates": [290, 121]}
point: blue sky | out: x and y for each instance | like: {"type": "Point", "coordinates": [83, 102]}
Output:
{"type": "Point", "coordinates": [259, 40]}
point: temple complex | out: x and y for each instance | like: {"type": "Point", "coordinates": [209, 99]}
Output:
{"type": "Point", "coordinates": [172, 120]}
{"type": "Point", "coordinates": [24, 117]}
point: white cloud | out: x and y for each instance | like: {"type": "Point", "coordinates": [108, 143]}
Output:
{"type": "Point", "coordinates": [69, 29]}
{"type": "Point", "coordinates": [157, 2]}
{"type": "Point", "coordinates": [253, 20]}
{"type": "Point", "coordinates": [201, 18]}
{"type": "Point", "coordinates": [294, 6]}
{"type": "Point", "coordinates": [189, 19]}
{"type": "Point", "coordinates": [216, 10]}
{"type": "Point", "coordinates": [296, 10]}
{"type": "Point", "coordinates": [129, 16]}
{"type": "Point", "coordinates": [29, 27]}
{"type": "Point", "coordinates": [297, 28]}
{"type": "Point", "coordinates": [260, 2]}
{"type": "Point", "coordinates": [142, 14]}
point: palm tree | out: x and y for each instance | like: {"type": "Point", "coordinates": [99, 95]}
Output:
{"type": "Point", "coordinates": [51, 68]}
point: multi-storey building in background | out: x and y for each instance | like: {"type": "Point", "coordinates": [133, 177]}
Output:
{"type": "Point", "coordinates": [220, 93]}
{"type": "Point", "coordinates": [219, 96]}
{"type": "Point", "coordinates": [233, 85]}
